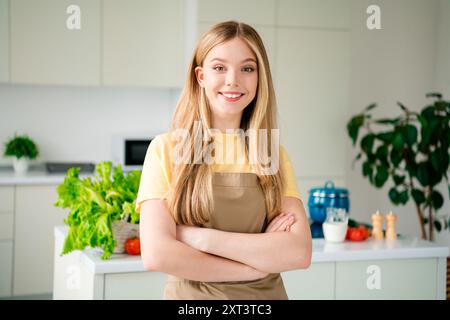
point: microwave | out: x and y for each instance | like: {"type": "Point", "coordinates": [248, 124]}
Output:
{"type": "Point", "coordinates": [130, 151]}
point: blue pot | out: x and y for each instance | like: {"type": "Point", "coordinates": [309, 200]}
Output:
{"type": "Point", "coordinates": [326, 197]}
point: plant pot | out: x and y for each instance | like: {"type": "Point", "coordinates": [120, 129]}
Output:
{"type": "Point", "coordinates": [21, 165]}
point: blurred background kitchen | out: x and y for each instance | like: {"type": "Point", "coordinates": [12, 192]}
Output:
{"type": "Point", "coordinates": [79, 92]}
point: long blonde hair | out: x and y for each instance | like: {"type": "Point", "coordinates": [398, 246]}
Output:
{"type": "Point", "coordinates": [191, 196]}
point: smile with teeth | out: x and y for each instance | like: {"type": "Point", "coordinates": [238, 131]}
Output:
{"type": "Point", "coordinates": [231, 96]}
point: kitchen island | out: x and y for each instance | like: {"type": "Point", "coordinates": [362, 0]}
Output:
{"type": "Point", "coordinates": [408, 268]}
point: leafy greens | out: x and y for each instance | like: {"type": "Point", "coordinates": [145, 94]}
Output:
{"type": "Point", "coordinates": [95, 204]}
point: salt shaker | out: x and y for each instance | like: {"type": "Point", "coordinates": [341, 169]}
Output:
{"type": "Point", "coordinates": [377, 222]}
{"type": "Point", "coordinates": [391, 234]}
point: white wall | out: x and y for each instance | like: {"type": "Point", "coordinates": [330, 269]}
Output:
{"type": "Point", "coordinates": [396, 63]}
{"type": "Point", "coordinates": [78, 123]}
{"type": "Point", "coordinates": [442, 84]}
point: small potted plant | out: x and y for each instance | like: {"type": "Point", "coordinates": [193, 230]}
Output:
{"type": "Point", "coordinates": [23, 149]}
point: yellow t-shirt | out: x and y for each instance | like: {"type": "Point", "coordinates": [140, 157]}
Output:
{"type": "Point", "coordinates": [157, 169]}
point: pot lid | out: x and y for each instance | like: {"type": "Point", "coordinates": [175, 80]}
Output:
{"type": "Point", "coordinates": [329, 191]}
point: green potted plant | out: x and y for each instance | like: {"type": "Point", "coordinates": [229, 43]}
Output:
{"type": "Point", "coordinates": [102, 210]}
{"type": "Point", "coordinates": [411, 149]}
{"type": "Point", "coordinates": [23, 149]}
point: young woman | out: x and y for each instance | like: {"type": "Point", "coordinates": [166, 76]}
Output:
{"type": "Point", "coordinates": [220, 210]}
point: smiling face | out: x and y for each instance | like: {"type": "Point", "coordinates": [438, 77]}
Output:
{"type": "Point", "coordinates": [229, 75]}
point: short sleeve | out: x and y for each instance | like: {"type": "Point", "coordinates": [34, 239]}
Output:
{"type": "Point", "coordinates": [288, 176]}
{"type": "Point", "coordinates": [156, 173]}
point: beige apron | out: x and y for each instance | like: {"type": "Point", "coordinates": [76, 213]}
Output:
{"type": "Point", "coordinates": [239, 207]}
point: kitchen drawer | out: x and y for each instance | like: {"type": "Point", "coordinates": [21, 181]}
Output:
{"type": "Point", "coordinates": [316, 282]}
{"type": "Point", "coordinates": [387, 279]}
{"type": "Point", "coordinates": [6, 226]}
{"type": "Point", "coordinates": [6, 251]}
{"type": "Point", "coordinates": [6, 199]}
{"type": "Point", "coordinates": [136, 285]}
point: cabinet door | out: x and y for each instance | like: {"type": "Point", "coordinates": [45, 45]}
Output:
{"type": "Point", "coordinates": [45, 51]}
{"type": "Point", "coordinates": [387, 279]}
{"type": "Point", "coordinates": [316, 282]}
{"type": "Point", "coordinates": [36, 218]}
{"type": "Point", "coordinates": [143, 43]}
{"type": "Point", "coordinates": [313, 13]}
{"type": "Point", "coordinates": [4, 41]}
{"type": "Point", "coordinates": [260, 12]}
{"type": "Point", "coordinates": [6, 251]}
{"type": "Point", "coordinates": [312, 79]}
{"type": "Point", "coordinates": [136, 285]}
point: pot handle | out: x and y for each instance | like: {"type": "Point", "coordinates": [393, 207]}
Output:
{"type": "Point", "coordinates": [329, 184]}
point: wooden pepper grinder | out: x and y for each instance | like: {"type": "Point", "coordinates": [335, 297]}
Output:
{"type": "Point", "coordinates": [391, 234]}
{"type": "Point", "coordinates": [377, 222]}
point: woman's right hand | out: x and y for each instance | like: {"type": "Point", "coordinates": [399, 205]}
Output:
{"type": "Point", "coordinates": [282, 222]}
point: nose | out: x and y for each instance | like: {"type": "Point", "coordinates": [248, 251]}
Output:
{"type": "Point", "coordinates": [232, 78]}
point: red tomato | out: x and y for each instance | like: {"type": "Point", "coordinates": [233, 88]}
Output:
{"type": "Point", "coordinates": [133, 246]}
{"type": "Point", "coordinates": [360, 233]}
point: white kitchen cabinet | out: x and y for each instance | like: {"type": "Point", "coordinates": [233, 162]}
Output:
{"type": "Point", "coordinates": [260, 12]}
{"type": "Point", "coordinates": [45, 51]}
{"type": "Point", "coordinates": [4, 41]}
{"type": "Point", "coordinates": [316, 282]}
{"type": "Point", "coordinates": [313, 13]}
{"type": "Point", "coordinates": [143, 43]}
{"type": "Point", "coordinates": [312, 80]}
{"type": "Point", "coordinates": [35, 218]}
{"type": "Point", "coordinates": [6, 239]}
{"type": "Point", "coordinates": [387, 279]}
{"type": "Point", "coordinates": [6, 199]}
{"type": "Point", "coordinates": [6, 258]}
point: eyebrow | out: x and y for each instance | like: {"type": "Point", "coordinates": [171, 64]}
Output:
{"type": "Point", "coordinates": [246, 60]}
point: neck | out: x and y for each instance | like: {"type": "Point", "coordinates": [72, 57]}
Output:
{"type": "Point", "coordinates": [223, 123]}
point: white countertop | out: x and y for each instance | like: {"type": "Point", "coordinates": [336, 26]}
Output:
{"type": "Point", "coordinates": [402, 248]}
{"type": "Point", "coordinates": [36, 175]}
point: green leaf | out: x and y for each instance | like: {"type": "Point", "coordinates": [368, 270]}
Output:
{"type": "Point", "coordinates": [370, 107]}
{"type": "Point", "coordinates": [381, 176]}
{"type": "Point", "coordinates": [367, 169]}
{"type": "Point", "coordinates": [423, 174]}
{"type": "Point", "coordinates": [398, 179]}
{"type": "Point", "coordinates": [353, 127]}
{"type": "Point", "coordinates": [367, 143]}
{"type": "Point", "coordinates": [437, 225]}
{"type": "Point", "coordinates": [404, 197]}
{"type": "Point", "coordinates": [382, 151]}
{"type": "Point", "coordinates": [434, 95]}
{"type": "Point", "coordinates": [394, 196]}
{"type": "Point", "coordinates": [388, 121]}
{"type": "Point", "coordinates": [402, 106]}
{"type": "Point", "coordinates": [395, 156]}
{"type": "Point", "coordinates": [418, 196]}
{"type": "Point", "coordinates": [398, 140]}
{"type": "Point", "coordinates": [437, 200]}
{"type": "Point", "coordinates": [386, 137]}
{"type": "Point", "coordinates": [409, 134]}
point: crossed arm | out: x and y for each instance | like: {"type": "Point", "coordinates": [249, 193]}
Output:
{"type": "Point", "coordinates": [270, 252]}
{"type": "Point", "coordinates": [211, 255]}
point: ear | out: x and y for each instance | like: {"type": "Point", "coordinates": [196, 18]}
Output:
{"type": "Point", "coordinates": [199, 75]}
